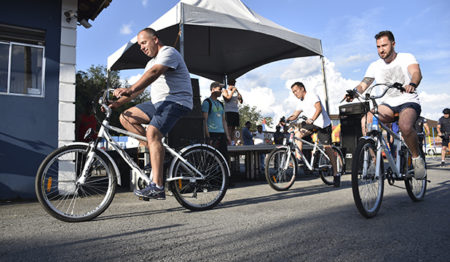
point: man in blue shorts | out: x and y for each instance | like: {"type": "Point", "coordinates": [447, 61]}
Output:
{"type": "Point", "coordinates": [393, 67]}
{"type": "Point", "coordinates": [171, 98]}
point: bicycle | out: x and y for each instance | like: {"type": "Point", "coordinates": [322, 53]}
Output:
{"type": "Point", "coordinates": [368, 172]}
{"type": "Point", "coordinates": [77, 182]}
{"type": "Point", "coordinates": [281, 164]}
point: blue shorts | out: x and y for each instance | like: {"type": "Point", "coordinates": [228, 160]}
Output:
{"type": "Point", "coordinates": [163, 115]}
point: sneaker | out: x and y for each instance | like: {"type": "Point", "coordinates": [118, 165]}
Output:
{"type": "Point", "coordinates": [151, 191]}
{"type": "Point", "coordinates": [337, 181]}
{"type": "Point", "coordinates": [443, 163]}
{"type": "Point", "coordinates": [419, 168]}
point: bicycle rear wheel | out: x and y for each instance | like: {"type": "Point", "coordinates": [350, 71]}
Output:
{"type": "Point", "coordinates": [200, 194]}
{"type": "Point", "coordinates": [416, 188]}
{"type": "Point", "coordinates": [281, 169]}
{"type": "Point", "coordinates": [367, 188]}
{"type": "Point", "coordinates": [325, 168]}
{"type": "Point", "coordinates": [59, 193]}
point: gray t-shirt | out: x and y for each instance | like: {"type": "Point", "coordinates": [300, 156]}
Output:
{"type": "Point", "coordinates": [175, 84]}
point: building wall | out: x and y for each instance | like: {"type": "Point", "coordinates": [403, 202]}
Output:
{"type": "Point", "coordinates": [29, 125]}
{"type": "Point", "coordinates": [66, 123]}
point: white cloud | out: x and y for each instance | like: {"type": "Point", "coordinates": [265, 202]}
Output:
{"type": "Point", "coordinates": [358, 58]}
{"type": "Point", "coordinates": [275, 101]}
{"type": "Point", "coordinates": [130, 80]}
{"type": "Point", "coordinates": [433, 104]}
{"type": "Point", "coordinates": [302, 66]}
{"type": "Point", "coordinates": [125, 29]}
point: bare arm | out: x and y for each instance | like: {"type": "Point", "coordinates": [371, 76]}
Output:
{"type": "Point", "coordinates": [226, 95]}
{"type": "Point", "coordinates": [439, 130]}
{"type": "Point", "coordinates": [125, 99]}
{"type": "Point", "coordinates": [205, 124]}
{"type": "Point", "coordinates": [316, 114]}
{"type": "Point", "coordinates": [294, 115]}
{"type": "Point", "coordinates": [426, 127]}
{"type": "Point", "coordinates": [365, 83]}
{"type": "Point", "coordinates": [225, 128]}
{"type": "Point", "coordinates": [416, 77]}
{"type": "Point", "coordinates": [239, 97]}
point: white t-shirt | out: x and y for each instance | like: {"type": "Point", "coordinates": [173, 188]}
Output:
{"type": "Point", "coordinates": [233, 104]}
{"type": "Point", "coordinates": [175, 84]}
{"type": "Point", "coordinates": [307, 107]}
{"type": "Point", "coordinates": [394, 72]}
{"type": "Point", "coordinates": [258, 138]}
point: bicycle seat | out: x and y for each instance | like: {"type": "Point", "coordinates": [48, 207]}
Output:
{"type": "Point", "coordinates": [396, 116]}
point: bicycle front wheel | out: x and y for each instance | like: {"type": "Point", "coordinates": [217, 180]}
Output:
{"type": "Point", "coordinates": [281, 168]}
{"type": "Point", "coordinates": [192, 192]}
{"type": "Point", "coordinates": [326, 169]}
{"type": "Point", "coordinates": [62, 196]}
{"type": "Point", "coordinates": [367, 188]}
{"type": "Point", "coordinates": [416, 188]}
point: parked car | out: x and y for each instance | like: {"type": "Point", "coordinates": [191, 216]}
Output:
{"type": "Point", "coordinates": [433, 150]}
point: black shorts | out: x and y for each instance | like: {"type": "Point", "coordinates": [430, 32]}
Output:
{"type": "Point", "coordinates": [398, 109]}
{"type": "Point", "coordinates": [323, 134]}
{"type": "Point", "coordinates": [445, 141]}
{"type": "Point", "coordinates": [232, 118]}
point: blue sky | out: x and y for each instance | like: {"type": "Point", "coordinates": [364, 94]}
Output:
{"type": "Point", "coordinates": [346, 29]}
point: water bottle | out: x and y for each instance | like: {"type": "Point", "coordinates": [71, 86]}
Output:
{"type": "Point", "coordinates": [375, 126]}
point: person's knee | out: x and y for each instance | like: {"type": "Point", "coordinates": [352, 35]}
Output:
{"type": "Point", "coordinates": [123, 119]}
{"type": "Point", "coordinates": [407, 129]}
{"type": "Point", "coordinates": [153, 134]}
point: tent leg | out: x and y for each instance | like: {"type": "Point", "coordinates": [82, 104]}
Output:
{"type": "Point", "coordinates": [325, 85]}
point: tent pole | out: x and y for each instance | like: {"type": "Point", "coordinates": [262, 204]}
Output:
{"type": "Point", "coordinates": [325, 85]}
{"type": "Point", "coordinates": [182, 30]}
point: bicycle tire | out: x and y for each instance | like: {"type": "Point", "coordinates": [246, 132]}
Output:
{"type": "Point", "coordinates": [61, 197]}
{"type": "Point", "coordinates": [367, 189]}
{"type": "Point", "coordinates": [416, 188]}
{"type": "Point", "coordinates": [278, 178]}
{"type": "Point", "coordinates": [325, 168]}
{"type": "Point", "coordinates": [199, 195]}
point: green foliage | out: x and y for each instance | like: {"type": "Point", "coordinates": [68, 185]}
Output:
{"type": "Point", "coordinates": [89, 87]}
{"type": "Point", "coordinates": [247, 113]}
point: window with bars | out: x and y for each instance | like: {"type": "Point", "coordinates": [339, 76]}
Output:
{"type": "Point", "coordinates": [22, 61]}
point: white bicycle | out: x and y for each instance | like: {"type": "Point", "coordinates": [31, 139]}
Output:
{"type": "Point", "coordinates": [77, 182]}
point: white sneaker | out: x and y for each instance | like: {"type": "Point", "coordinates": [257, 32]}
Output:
{"type": "Point", "coordinates": [419, 168]}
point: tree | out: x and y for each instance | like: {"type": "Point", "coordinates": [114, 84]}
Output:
{"type": "Point", "coordinates": [89, 87]}
{"type": "Point", "coordinates": [247, 113]}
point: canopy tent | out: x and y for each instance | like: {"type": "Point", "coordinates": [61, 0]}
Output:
{"type": "Point", "coordinates": [219, 38]}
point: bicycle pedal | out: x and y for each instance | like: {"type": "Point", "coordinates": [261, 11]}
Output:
{"type": "Point", "coordinates": [144, 198]}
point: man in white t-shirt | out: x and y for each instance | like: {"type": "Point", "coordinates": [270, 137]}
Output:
{"type": "Point", "coordinates": [318, 120]}
{"type": "Point", "coordinates": [171, 94]}
{"type": "Point", "coordinates": [393, 67]}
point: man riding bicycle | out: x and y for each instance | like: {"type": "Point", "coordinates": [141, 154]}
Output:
{"type": "Point", "coordinates": [171, 95]}
{"type": "Point", "coordinates": [318, 120]}
{"type": "Point", "coordinates": [403, 68]}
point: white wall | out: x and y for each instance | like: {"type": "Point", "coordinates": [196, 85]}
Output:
{"type": "Point", "coordinates": [66, 126]}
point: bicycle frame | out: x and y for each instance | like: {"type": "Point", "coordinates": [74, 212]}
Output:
{"type": "Point", "coordinates": [104, 133]}
{"type": "Point", "coordinates": [315, 146]}
{"type": "Point", "coordinates": [382, 146]}
{"type": "Point", "coordinates": [394, 164]}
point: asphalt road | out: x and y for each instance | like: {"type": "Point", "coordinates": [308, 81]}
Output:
{"type": "Point", "coordinates": [310, 222]}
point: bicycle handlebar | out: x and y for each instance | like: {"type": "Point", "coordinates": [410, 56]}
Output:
{"type": "Point", "coordinates": [354, 94]}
